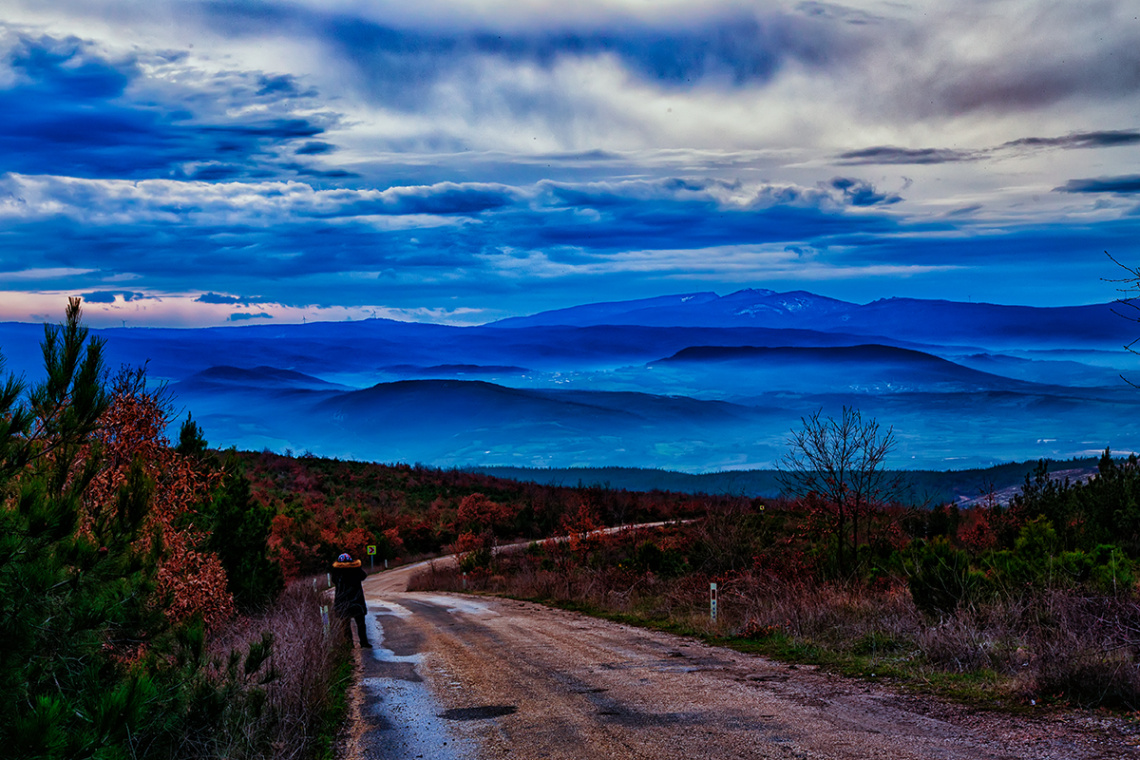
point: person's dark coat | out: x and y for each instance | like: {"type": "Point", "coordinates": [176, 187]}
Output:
{"type": "Point", "coordinates": [349, 600]}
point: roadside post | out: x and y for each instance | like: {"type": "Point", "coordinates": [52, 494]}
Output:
{"type": "Point", "coordinates": [371, 550]}
{"type": "Point", "coordinates": [712, 601]}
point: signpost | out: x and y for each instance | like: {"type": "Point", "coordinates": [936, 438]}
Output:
{"type": "Point", "coordinates": [371, 551]}
{"type": "Point", "coordinates": [712, 601]}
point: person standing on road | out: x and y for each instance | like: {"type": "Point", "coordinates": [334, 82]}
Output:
{"type": "Point", "coordinates": [347, 575]}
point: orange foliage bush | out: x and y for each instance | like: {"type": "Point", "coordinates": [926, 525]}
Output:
{"type": "Point", "coordinates": [189, 581]}
{"type": "Point", "coordinates": [580, 527]}
{"type": "Point", "coordinates": [480, 513]}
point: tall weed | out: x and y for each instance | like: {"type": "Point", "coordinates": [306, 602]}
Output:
{"type": "Point", "coordinates": [272, 685]}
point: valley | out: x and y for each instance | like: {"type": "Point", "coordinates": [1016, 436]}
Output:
{"type": "Point", "coordinates": [690, 383]}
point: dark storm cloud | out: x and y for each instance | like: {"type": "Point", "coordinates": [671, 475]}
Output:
{"type": "Point", "coordinates": [315, 149]}
{"type": "Point", "coordinates": [282, 85]}
{"type": "Point", "coordinates": [1105, 139]}
{"type": "Point", "coordinates": [108, 296]}
{"type": "Point", "coordinates": [886, 154]}
{"type": "Point", "coordinates": [1126, 184]}
{"type": "Point", "coordinates": [245, 316]}
{"type": "Point", "coordinates": [889, 154]}
{"type": "Point", "coordinates": [730, 47]}
{"type": "Point", "coordinates": [217, 298]}
{"type": "Point", "coordinates": [860, 193]}
{"type": "Point", "coordinates": [70, 111]}
{"type": "Point", "coordinates": [441, 199]}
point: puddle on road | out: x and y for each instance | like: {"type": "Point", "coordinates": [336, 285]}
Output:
{"type": "Point", "coordinates": [479, 713]}
{"type": "Point", "coordinates": [405, 721]}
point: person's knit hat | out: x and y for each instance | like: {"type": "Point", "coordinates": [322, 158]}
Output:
{"type": "Point", "coordinates": [344, 558]}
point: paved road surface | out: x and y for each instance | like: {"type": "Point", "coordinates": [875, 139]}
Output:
{"type": "Point", "coordinates": [456, 676]}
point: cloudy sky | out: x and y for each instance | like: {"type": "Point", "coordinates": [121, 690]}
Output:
{"type": "Point", "coordinates": [193, 163]}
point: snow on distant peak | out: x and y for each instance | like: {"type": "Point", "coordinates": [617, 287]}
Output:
{"type": "Point", "coordinates": [797, 304]}
{"type": "Point", "coordinates": [752, 311]}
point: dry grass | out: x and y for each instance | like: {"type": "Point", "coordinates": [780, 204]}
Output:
{"type": "Point", "coordinates": [1044, 644]}
{"type": "Point", "coordinates": [282, 707]}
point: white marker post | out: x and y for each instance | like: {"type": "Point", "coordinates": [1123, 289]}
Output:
{"type": "Point", "coordinates": [712, 601]}
{"type": "Point", "coordinates": [371, 550]}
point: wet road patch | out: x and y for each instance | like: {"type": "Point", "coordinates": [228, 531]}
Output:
{"type": "Point", "coordinates": [400, 637]}
{"type": "Point", "coordinates": [399, 710]}
{"type": "Point", "coordinates": [401, 671]}
{"type": "Point", "coordinates": [479, 713]}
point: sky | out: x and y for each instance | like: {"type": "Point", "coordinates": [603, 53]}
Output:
{"type": "Point", "coordinates": [459, 161]}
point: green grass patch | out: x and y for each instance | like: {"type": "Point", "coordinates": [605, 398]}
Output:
{"type": "Point", "coordinates": [333, 720]}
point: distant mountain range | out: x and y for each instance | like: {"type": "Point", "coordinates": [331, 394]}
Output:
{"type": "Point", "coordinates": [695, 382]}
{"type": "Point", "coordinates": [923, 321]}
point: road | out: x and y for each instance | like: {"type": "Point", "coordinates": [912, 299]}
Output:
{"type": "Point", "coordinates": [465, 677]}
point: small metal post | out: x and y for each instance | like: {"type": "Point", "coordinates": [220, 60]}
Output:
{"type": "Point", "coordinates": [325, 618]}
{"type": "Point", "coordinates": [465, 581]}
{"type": "Point", "coordinates": [385, 563]}
{"type": "Point", "coordinates": [712, 601]}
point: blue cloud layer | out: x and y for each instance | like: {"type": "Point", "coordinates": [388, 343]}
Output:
{"type": "Point", "coordinates": [397, 170]}
{"type": "Point", "coordinates": [731, 47]}
{"type": "Point", "coordinates": [486, 239]}
{"type": "Point", "coordinates": [71, 112]}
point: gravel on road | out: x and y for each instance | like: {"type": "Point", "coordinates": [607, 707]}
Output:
{"type": "Point", "coordinates": [458, 676]}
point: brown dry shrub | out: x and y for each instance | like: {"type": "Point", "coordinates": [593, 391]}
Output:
{"type": "Point", "coordinates": [281, 710]}
{"type": "Point", "coordinates": [1085, 649]}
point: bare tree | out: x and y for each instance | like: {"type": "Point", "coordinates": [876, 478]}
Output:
{"type": "Point", "coordinates": [1129, 303]}
{"type": "Point", "coordinates": [837, 465]}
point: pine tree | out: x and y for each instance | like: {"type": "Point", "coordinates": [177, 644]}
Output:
{"type": "Point", "coordinates": [239, 532]}
{"type": "Point", "coordinates": [71, 600]}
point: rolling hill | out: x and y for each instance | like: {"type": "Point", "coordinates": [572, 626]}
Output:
{"type": "Point", "coordinates": [694, 382]}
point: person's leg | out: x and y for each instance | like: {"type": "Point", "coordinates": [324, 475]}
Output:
{"type": "Point", "coordinates": [362, 632]}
